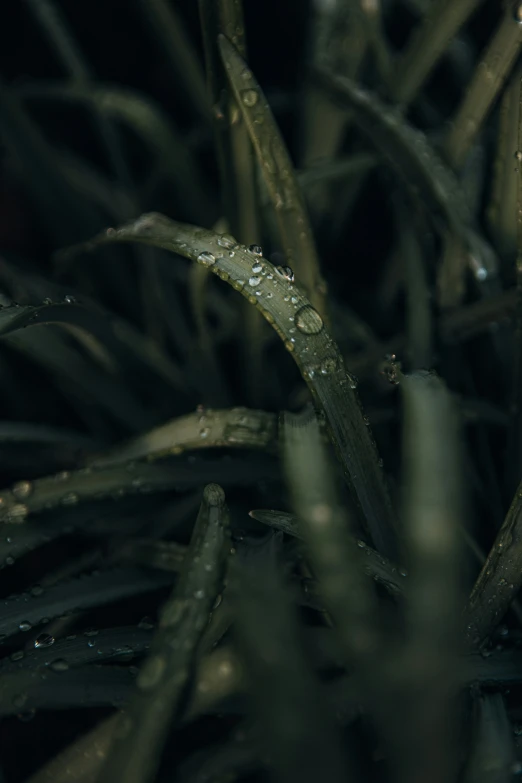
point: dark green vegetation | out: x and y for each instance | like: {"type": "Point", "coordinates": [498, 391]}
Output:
{"type": "Point", "coordinates": [261, 391]}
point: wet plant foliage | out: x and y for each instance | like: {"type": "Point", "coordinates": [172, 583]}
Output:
{"type": "Point", "coordinates": [261, 391]}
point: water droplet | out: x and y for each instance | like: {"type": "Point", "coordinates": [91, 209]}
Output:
{"type": "Point", "coordinates": [199, 594]}
{"type": "Point", "coordinates": [253, 281]}
{"type": "Point", "coordinates": [250, 97]}
{"type": "Point", "coordinates": [9, 560]}
{"type": "Point", "coordinates": [329, 365]}
{"type": "Point", "coordinates": [146, 624]}
{"type": "Point", "coordinates": [206, 258]}
{"type": "Point", "coordinates": [47, 301]}
{"type": "Point", "coordinates": [227, 241]}
{"type": "Point", "coordinates": [203, 433]}
{"type": "Point", "coordinates": [44, 640]}
{"type": "Point", "coordinates": [22, 489]}
{"type": "Point", "coordinates": [257, 268]}
{"type": "Point", "coordinates": [517, 13]}
{"type": "Point", "coordinates": [308, 320]}
{"type": "Point", "coordinates": [70, 499]}
{"type": "Point", "coordinates": [69, 299]}
{"type": "Point", "coordinates": [256, 250]}
{"type": "Point", "coordinates": [16, 656]}
{"type": "Point", "coordinates": [285, 272]}
{"type": "Point", "coordinates": [91, 632]}
{"type": "Point", "coordinates": [59, 665]}
{"type": "Point", "coordinates": [25, 625]}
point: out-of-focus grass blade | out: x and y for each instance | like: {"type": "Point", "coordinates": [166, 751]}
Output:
{"type": "Point", "coordinates": [502, 209]}
{"type": "Point", "coordinates": [407, 151]}
{"type": "Point", "coordinates": [163, 555]}
{"type": "Point", "coordinates": [278, 173]}
{"type": "Point", "coordinates": [305, 336]}
{"type": "Point", "coordinates": [493, 751]}
{"type": "Point", "coordinates": [66, 216]}
{"type": "Point", "coordinates": [22, 612]}
{"type": "Point", "coordinates": [164, 678]}
{"type": "Point", "coordinates": [298, 728]}
{"type": "Point", "coordinates": [500, 578]}
{"type": "Point", "coordinates": [428, 42]}
{"type": "Point", "coordinates": [330, 547]}
{"type": "Point", "coordinates": [218, 675]}
{"type": "Point", "coordinates": [236, 428]}
{"type": "Point", "coordinates": [167, 27]}
{"type": "Point", "coordinates": [148, 122]}
{"type": "Point", "coordinates": [374, 565]}
{"type": "Point", "coordinates": [433, 514]}
{"type": "Point", "coordinates": [494, 67]}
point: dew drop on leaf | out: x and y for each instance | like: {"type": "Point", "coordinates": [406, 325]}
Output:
{"type": "Point", "coordinates": [206, 258]}
{"type": "Point", "coordinates": [308, 320]}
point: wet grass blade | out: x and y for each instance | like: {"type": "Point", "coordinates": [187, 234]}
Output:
{"type": "Point", "coordinates": [20, 613]}
{"type": "Point", "coordinates": [493, 752]}
{"type": "Point", "coordinates": [78, 649]}
{"type": "Point", "coordinates": [407, 151]}
{"type": "Point", "coordinates": [433, 514]}
{"type": "Point", "coordinates": [279, 176]}
{"type": "Point", "coordinates": [166, 674]}
{"type": "Point", "coordinates": [234, 428]}
{"type": "Point", "coordinates": [305, 336]}
{"type": "Point", "coordinates": [442, 22]}
{"type": "Point", "coordinates": [500, 578]}
{"type": "Point", "coordinates": [330, 545]}
{"type": "Point", "coordinates": [493, 69]}
{"type": "Point", "coordinates": [374, 565]}
{"type": "Point", "coordinates": [295, 721]}
{"type": "Point", "coordinates": [69, 488]}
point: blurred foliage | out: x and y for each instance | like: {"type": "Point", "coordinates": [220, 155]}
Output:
{"type": "Point", "coordinates": [275, 536]}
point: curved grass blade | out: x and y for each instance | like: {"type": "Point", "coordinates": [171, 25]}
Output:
{"type": "Point", "coordinates": [493, 69]}
{"type": "Point", "coordinates": [374, 565]}
{"type": "Point", "coordinates": [236, 427]}
{"type": "Point", "coordinates": [278, 173]}
{"type": "Point", "coordinates": [433, 514]}
{"type": "Point", "coordinates": [22, 612]}
{"type": "Point", "coordinates": [164, 555]}
{"type": "Point", "coordinates": [165, 676]}
{"type": "Point", "coordinates": [330, 547]}
{"type": "Point", "coordinates": [407, 150]}
{"type": "Point", "coordinates": [493, 751]}
{"type": "Point", "coordinates": [79, 649]}
{"type": "Point", "coordinates": [69, 488]}
{"type": "Point", "coordinates": [441, 24]}
{"type": "Point", "coordinates": [500, 578]}
{"type": "Point", "coordinates": [305, 336]}
{"type": "Point", "coordinates": [301, 734]}
{"type": "Point", "coordinates": [147, 121]}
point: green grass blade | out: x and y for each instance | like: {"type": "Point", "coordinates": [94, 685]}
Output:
{"type": "Point", "coordinates": [163, 680]}
{"type": "Point", "coordinates": [278, 173]}
{"type": "Point", "coordinates": [493, 69]}
{"type": "Point", "coordinates": [305, 336]}
{"type": "Point", "coordinates": [330, 546]}
{"type": "Point", "coordinates": [428, 43]}
{"type": "Point", "coordinates": [500, 578]}
{"type": "Point", "coordinates": [493, 751]}
{"type": "Point", "coordinates": [235, 428]}
{"type": "Point", "coordinates": [304, 741]}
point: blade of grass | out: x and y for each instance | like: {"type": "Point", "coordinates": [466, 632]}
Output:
{"type": "Point", "coordinates": [442, 22]}
{"type": "Point", "coordinates": [493, 752]}
{"type": "Point", "coordinates": [502, 209]}
{"type": "Point", "coordinates": [493, 69]}
{"type": "Point", "coordinates": [165, 676]}
{"type": "Point", "coordinates": [330, 546]}
{"type": "Point", "coordinates": [298, 728]}
{"type": "Point", "coordinates": [237, 428]}
{"type": "Point", "coordinates": [499, 580]}
{"type": "Point", "coordinates": [278, 174]}
{"type": "Point", "coordinates": [305, 336]}
{"type": "Point", "coordinates": [433, 513]}
{"type": "Point", "coordinates": [423, 172]}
